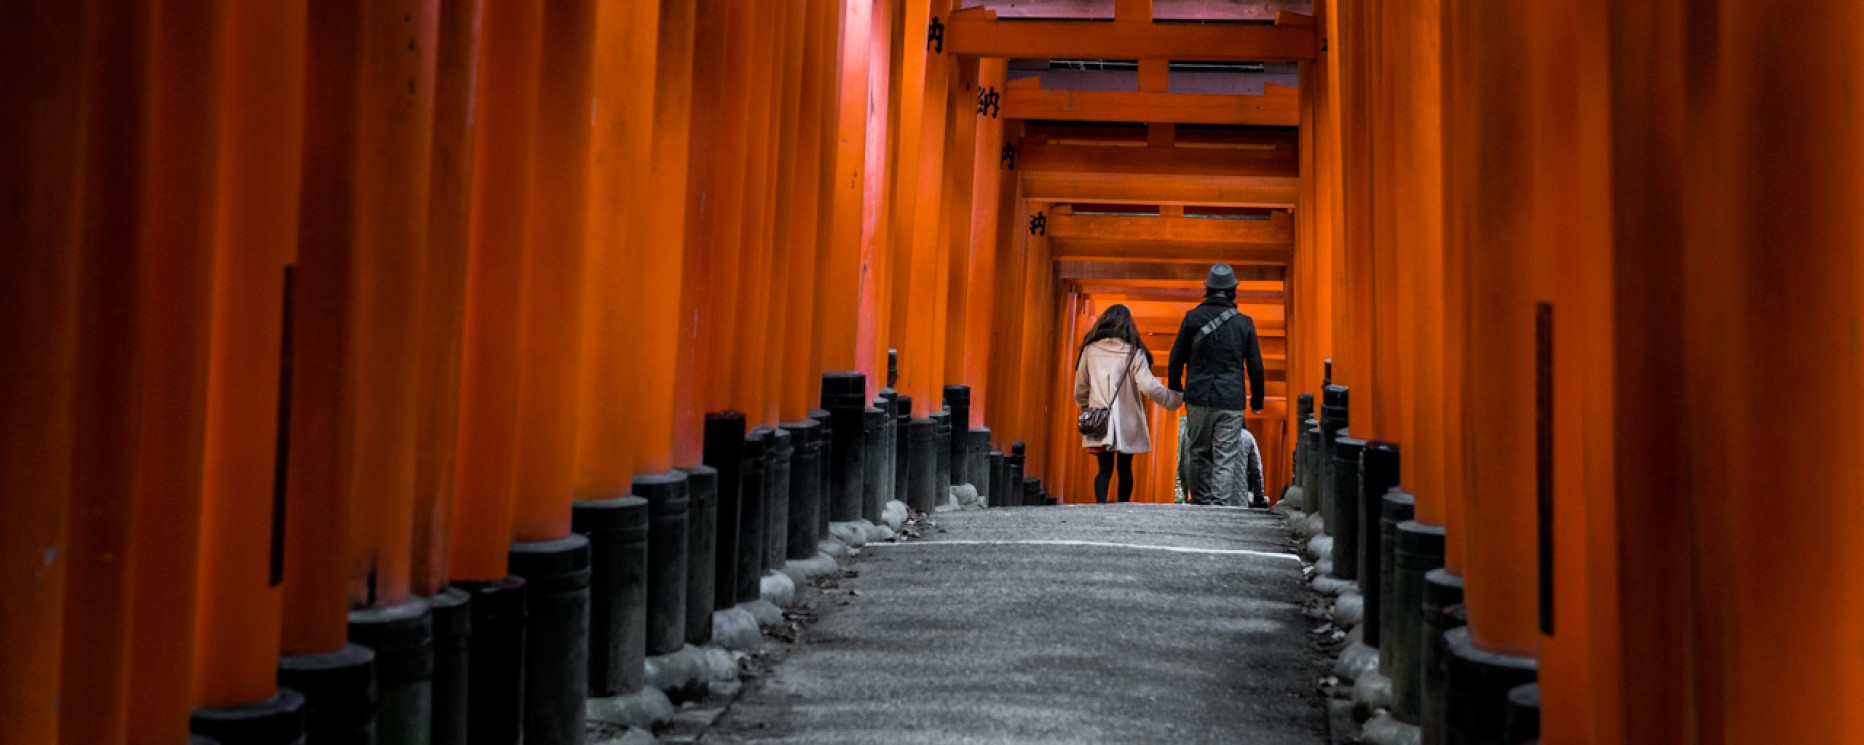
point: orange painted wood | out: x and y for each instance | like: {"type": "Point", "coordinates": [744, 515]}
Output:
{"type": "Point", "coordinates": [236, 637]}
{"type": "Point", "coordinates": [982, 311]}
{"type": "Point", "coordinates": [844, 284]}
{"type": "Point", "coordinates": [660, 258]}
{"type": "Point", "coordinates": [807, 219]}
{"type": "Point", "coordinates": [706, 145]}
{"type": "Point", "coordinates": [324, 552]}
{"type": "Point", "coordinates": [1176, 10]}
{"type": "Point", "coordinates": [1123, 175]}
{"type": "Point", "coordinates": [395, 152]}
{"type": "Point", "coordinates": [781, 192]}
{"type": "Point", "coordinates": [178, 229]}
{"type": "Point", "coordinates": [105, 394]}
{"type": "Point", "coordinates": [550, 312]}
{"type": "Point", "coordinates": [722, 213]}
{"type": "Point", "coordinates": [755, 239]}
{"type": "Point", "coordinates": [973, 33]}
{"type": "Point", "coordinates": [510, 34]}
{"type": "Point", "coordinates": [874, 336]}
{"type": "Point", "coordinates": [1277, 107]}
{"type": "Point", "coordinates": [1458, 117]}
{"type": "Point", "coordinates": [443, 290]}
{"type": "Point", "coordinates": [1004, 419]}
{"type": "Point", "coordinates": [40, 112]}
{"type": "Point", "coordinates": [917, 209]}
{"type": "Point", "coordinates": [1390, 334]}
{"type": "Point", "coordinates": [623, 93]}
{"type": "Point", "coordinates": [955, 227]}
{"type": "Point", "coordinates": [1419, 233]}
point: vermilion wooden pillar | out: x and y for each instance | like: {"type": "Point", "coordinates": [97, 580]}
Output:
{"type": "Point", "coordinates": [1005, 420]}
{"type": "Point", "coordinates": [784, 200]}
{"type": "Point", "coordinates": [40, 112]}
{"type": "Point", "coordinates": [844, 283]}
{"type": "Point", "coordinates": [1388, 407]}
{"type": "Point", "coordinates": [322, 550]}
{"type": "Point", "coordinates": [178, 230]}
{"type": "Point", "coordinates": [805, 222]}
{"type": "Point", "coordinates": [887, 57]}
{"type": "Point", "coordinates": [955, 228]}
{"type": "Point", "coordinates": [981, 307]}
{"type": "Point", "coordinates": [659, 258]}
{"type": "Point", "coordinates": [1459, 119]}
{"type": "Point", "coordinates": [1418, 139]}
{"type": "Point", "coordinates": [624, 92]}
{"type": "Point", "coordinates": [710, 142]}
{"type": "Point", "coordinates": [1353, 287]}
{"type": "Point", "coordinates": [443, 290]}
{"type": "Point", "coordinates": [755, 241]}
{"type": "Point", "coordinates": [394, 155]}
{"type": "Point", "coordinates": [720, 222]}
{"type": "Point", "coordinates": [506, 92]}
{"type": "Point", "coordinates": [236, 638]}
{"type": "Point", "coordinates": [106, 399]}
{"type": "Point", "coordinates": [918, 208]}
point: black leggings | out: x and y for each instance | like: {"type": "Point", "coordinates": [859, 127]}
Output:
{"type": "Point", "coordinates": [1106, 474]}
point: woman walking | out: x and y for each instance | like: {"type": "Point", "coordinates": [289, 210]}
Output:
{"type": "Point", "coordinates": [1113, 371]}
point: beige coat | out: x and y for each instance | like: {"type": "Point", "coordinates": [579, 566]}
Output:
{"type": "Point", "coordinates": [1094, 378]}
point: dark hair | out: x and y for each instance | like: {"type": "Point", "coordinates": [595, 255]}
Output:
{"type": "Point", "coordinates": [1227, 292]}
{"type": "Point", "coordinates": [1116, 322]}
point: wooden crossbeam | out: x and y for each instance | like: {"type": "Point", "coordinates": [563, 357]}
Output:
{"type": "Point", "coordinates": [1164, 10]}
{"type": "Point", "coordinates": [1124, 293]}
{"type": "Point", "coordinates": [1278, 106]}
{"type": "Point", "coordinates": [976, 32]}
{"type": "Point", "coordinates": [1154, 270]}
{"type": "Point", "coordinates": [1158, 175]}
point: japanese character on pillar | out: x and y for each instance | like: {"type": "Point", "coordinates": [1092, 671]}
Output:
{"type": "Point", "coordinates": [1009, 155]}
{"type": "Point", "coordinates": [987, 102]}
{"type": "Point", "coordinates": [935, 36]}
{"type": "Point", "coordinates": [1038, 223]}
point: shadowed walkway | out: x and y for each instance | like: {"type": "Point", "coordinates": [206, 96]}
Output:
{"type": "Point", "coordinates": [1087, 624]}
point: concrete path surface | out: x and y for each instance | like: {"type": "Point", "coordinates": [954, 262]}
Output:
{"type": "Point", "coordinates": [1075, 624]}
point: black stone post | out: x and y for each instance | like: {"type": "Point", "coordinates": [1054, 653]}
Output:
{"type": "Point", "coordinates": [921, 462]}
{"type": "Point", "coordinates": [618, 575]}
{"type": "Point", "coordinates": [1396, 507]}
{"type": "Point", "coordinates": [1420, 549]}
{"type": "Point", "coordinates": [777, 499]}
{"type": "Point", "coordinates": [1476, 685]}
{"type": "Point", "coordinates": [844, 395]}
{"type": "Point", "coordinates": [825, 499]}
{"type": "Point", "coordinates": [1443, 610]}
{"type": "Point", "coordinates": [1304, 408]}
{"type": "Point", "coordinates": [452, 611]}
{"type": "Point", "coordinates": [1032, 491]}
{"type": "Point", "coordinates": [1522, 721]}
{"type": "Point", "coordinates": [1346, 450]}
{"type": "Point", "coordinates": [339, 694]}
{"type": "Point", "coordinates": [1378, 474]}
{"type": "Point", "coordinates": [749, 574]}
{"type": "Point", "coordinates": [977, 455]}
{"type": "Point", "coordinates": [1333, 417]}
{"type": "Point", "coordinates": [805, 489]}
{"type": "Point", "coordinates": [495, 687]}
{"type": "Point", "coordinates": [1314, 492]}
{"type": "Point", "coordinates": [556, 640]}
{"type": "Point", "coordinates": [702, 533]}
{"type": "Point", "coordinates": [724, 452]}
{"type": "Point", "coordinates": [402, 637]}
{"type": "Point", "coordinates": [278, 720]}
{"type": "Point", "coordinates": [889, 446]}
{"type": "Point", "coordinates": [999, 472]}
{"type": "Point", "coordinates": [958, 402]}
{"type": "Point", "coordinates": [1013, 480]}
{"type": "Point", "coordinates": [941, 468]}
{"type": "Point", "coordinates": [668, 503]}
{"type": "Point", "coordinates": [873, 498]}
{"type": "Point", "coordinates": [902, 448]}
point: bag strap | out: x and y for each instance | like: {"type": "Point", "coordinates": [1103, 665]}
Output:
{"type": "Point", "coordinates": [1125, 373]}
{"type": "Point", "coordinates": [1215, 323]}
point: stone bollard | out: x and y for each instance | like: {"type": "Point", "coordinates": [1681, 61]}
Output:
{"type": "Point", "coordinates": [921, 460]}
{"type": "Point", "coordinates": [748, 574]}
{"type": "Point", "coordinates": [1521, 722]}
{"type": "Point", "coordinates": [556, 639]}
{"type": "Point", "coordinates": [1311, 496]}
{"type": "Point", "coordinates": [1299, 486]}
{"type": "Point", "coordinates": [452, 611]}
{"type": "Point", "coordinates": [1032, 491]}
{"type": "Point", "coordinates": [1345, 493]}
{"type": "Point", "coordinates": [1333, 415]}
{"type": "Point", "coordinates": [874, 496]}
{"type": "Point", "coordinates": [1378, 475]}
{"type": "Point", "coordinates": [1419, 550]}
{"type": "Point", "coordinates": [701, 552]}
{"type": "Point", "coordinates": [1013, 478]}
{"type": "Point", "coordinates": [402, 638]}
{"type": "Point", "coordinates": [617, 532]}
{"type": "Point", "coordinates": [339, 694]}
{"type": "Point", "coordinates": [902, 443]}
{"type": "Point", "coordinates": [1396, 507]}
{"type": "Point", "coordinates": [495, 682]}
{"type": "Point", "coordinates": [825, 442]}
{"type": "Point", "coordinates": [958, 402]}
{"type": "Point", "coordinates": [1442, 611]}
{"type": "Point", "coordinates": [978, 451]}
{"type": "Point", "coordinates": [782, 453]}
{"type": "Point", "coordinates": [724, 452]}
{"type": "Point", "coordinates": [1476, 683]}
{"type": "Point", "coordinates": [998, 471]}
{"type": "Point", "coordinates": [278, 720]}
{"type": "Point", "coordinates": [668, 503]}
{"type": "Point", "coordinates": [805, 489]}
{"type": "Point", "coordinates": [844, 395]}
{"type": "Point", "coordinates": [889, 445]}
{"type": "Point", "coordinates": [941, 469]}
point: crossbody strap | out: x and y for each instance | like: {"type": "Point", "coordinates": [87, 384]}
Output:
{"type": "Point", "coordinates": [1215, 323]}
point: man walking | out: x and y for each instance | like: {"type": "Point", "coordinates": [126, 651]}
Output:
{"type": "Point", "coordinates": [1218, 343]}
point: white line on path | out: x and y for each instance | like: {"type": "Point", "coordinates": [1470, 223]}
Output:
{"type": "Point", "coordinates": [1102, 544]}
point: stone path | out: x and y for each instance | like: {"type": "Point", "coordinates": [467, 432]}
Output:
{"type": "Point", "coordinates": [1081, 624]}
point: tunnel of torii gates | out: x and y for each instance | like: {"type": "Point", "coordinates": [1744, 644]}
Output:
{"type": "Point", "coordinates": [312, 310]}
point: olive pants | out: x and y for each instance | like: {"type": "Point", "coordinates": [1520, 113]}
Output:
{"type": "Point", "coordinates": [1216, 455]}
